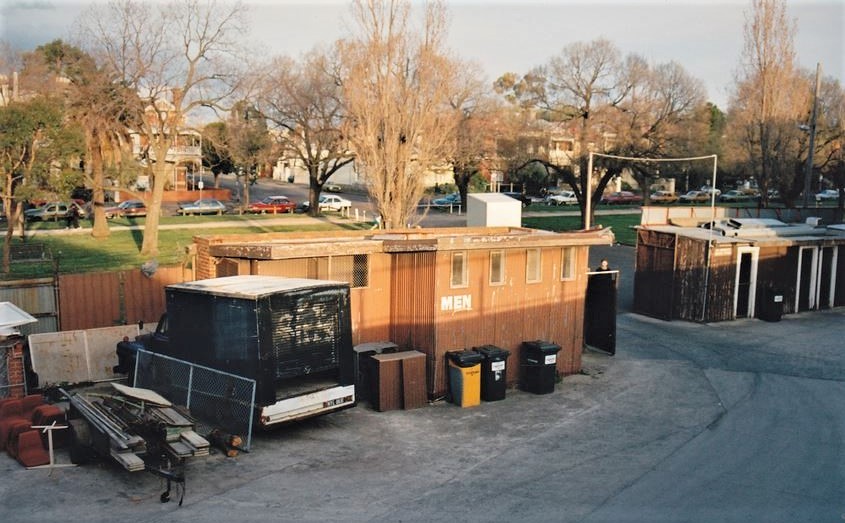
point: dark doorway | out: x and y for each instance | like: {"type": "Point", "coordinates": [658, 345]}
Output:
{"type": "Point", "coordinates": [743, 288]}
{"type": "Point", "coordinates": [805, 282]}
{"type": "Point", "coordinates": [825, 273]}
{"type": "Point", "coordinates": [600, 311]}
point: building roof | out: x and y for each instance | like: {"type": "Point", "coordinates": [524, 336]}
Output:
{"type": "Point", "coordinates": [273, 246]}
{"type": "Point", "coordinates": [251, 287]}
{"type": "Point", "coordinates": [757, 231]}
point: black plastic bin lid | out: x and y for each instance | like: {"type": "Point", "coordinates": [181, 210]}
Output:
{"type": "Point", "coordinates": [546, 347]}
{"type": "Point", "coordinates": [464, 358]}
{"type": "Point", "coordinates": [491, 352]}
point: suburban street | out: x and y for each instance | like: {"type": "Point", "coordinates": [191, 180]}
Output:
{"type": "Point", "coordinates": [735, 421]}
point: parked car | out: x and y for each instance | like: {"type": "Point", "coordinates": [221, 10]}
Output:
{"type": "Point", "coordinates": [621, 197]}
{"type": "Point", "coordinates": [694, 197]}
{"type": "Point", "coordinates": [562, 198]}
{"type": "Point", "coordinates": [526, 200]}
{"type": "Point", "coordinates": [828, 195]}
{"type": "Point", "coordinates": [447, 201]}
{"type": "Point", "coordinates": [331, 202]}
{"type": "Point", "coordinates": [203, 206]}
{"type": "Point", "coordinates": [709, 190]}
{"type": "Point", "coordinates": [333, 187]}
{"type": "Point", "coordinates": [735, 196]}
{"type": "Point", "coordinates": [53, 211]}
{"type": "Point", "coordinates": [127, 209]}
{"type": "Point", "coordinates": [272, 204]}
{"type": "Point", "coordinates": [663, 197]}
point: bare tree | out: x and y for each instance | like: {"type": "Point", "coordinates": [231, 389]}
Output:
{"type": "Point", "coordinates": [658, 116]}
{"type": "Point", "coordinates": [609, 104]}
{"type": "Point", "coordinates": [177, 57]}
{"type": "Point", "coordinates": [396, 88]}
{"type": "Point", "coordinates": [248, 144]}
{"type": "Point", "coordinates": [831, 139]}
{"type": "Point", "coordinates": [477, 117]}
{"type": "Point", "coordinates": [769, 100]}
{"type": "Point", "coordinates": [302, 100]}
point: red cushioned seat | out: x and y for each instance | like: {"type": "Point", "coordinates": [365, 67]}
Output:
{"type": "Point", "coordinates": [17, 428]}
{"type": "Point", "coordinates": [29, 403]}
{"type": "Point", "coordinates": [10, 412]}
{"type": "Point", "coordinates": [31, 452]}
{"type": "Point", "coordinates": [46, 414]}
{"type": "Point", "coordinates": [11, 408]}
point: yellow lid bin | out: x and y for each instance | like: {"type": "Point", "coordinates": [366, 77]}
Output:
{"type": "Point", "coordinates": [465, 377]}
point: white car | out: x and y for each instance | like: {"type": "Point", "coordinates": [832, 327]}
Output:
{"type": "Point", "coordinates": [828, 194]}
{"type": "Point", "coordinates": [708, 190]}
{"type": "Point", "coordinates": [562, 198]}
{"type": "Point", "coordinates": [332, 202]}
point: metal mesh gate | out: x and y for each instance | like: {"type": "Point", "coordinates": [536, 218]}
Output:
{"type": "Point", "coordinates": [216, 398]}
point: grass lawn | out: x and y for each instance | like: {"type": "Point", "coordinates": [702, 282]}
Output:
{"type": "Point", "coordinates": [621, 224]}
{"type": "Point", "coordinates": [75, 253]}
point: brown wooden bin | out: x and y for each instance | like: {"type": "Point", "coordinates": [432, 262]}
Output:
{"type": "Point", "coordinates": [398, 381]}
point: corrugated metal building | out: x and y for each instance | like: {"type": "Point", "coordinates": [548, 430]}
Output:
{"type": "Point", "coordinates": [435, 290]}
{"type": "Point", "coordinates": [737, 269]}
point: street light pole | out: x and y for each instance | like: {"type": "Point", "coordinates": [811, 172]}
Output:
{"type": "Point", "coordinates": [809, 168]}
{"type": "Point", "coordinates": [588, 191]}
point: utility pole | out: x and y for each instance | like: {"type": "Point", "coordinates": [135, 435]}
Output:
{"type": "Point", "coordinates": [810, 152]}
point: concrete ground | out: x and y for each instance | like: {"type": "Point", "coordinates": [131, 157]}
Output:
{"type": "Point", "coordinates": [735, 421]}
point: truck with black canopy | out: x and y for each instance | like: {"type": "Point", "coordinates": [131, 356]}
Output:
{"type": "Point", "coordinates": [293, 336]}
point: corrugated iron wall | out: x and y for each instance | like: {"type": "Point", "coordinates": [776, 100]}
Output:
{"type": "Point", "coordinates": [38, 298]}
{"type": "Point", "coordinates": [655, 270]}
{"type": "Point", "coordinates": [113, 298]}
{"type": "Point", "coordinates": [412, 301]}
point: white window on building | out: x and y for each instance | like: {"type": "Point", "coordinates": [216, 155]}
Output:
{"type": "Point", "coordinates": [567, 267]}
{"type": "Point", "coordinates": [497, 267]}
{"type": "Point", "coordinates": [459, 269]}
{"type": "Point", "coordinates": [532, 266]}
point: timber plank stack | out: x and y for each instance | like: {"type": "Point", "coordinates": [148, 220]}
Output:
{"type": "Point", "coordinates": [135, 423]}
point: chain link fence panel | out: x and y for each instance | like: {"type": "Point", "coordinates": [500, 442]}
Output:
{"type": "Point", "coordinates": [216, 398]}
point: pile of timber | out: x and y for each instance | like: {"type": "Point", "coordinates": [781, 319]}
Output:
{"type": "Point", "coordinates": [136, 422]}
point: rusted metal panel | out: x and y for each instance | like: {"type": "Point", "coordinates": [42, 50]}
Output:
{"type": "Point", "coordinates": [654, 275]}
{"type": "Point", "coordinates": [144, 296]}
{"type": "Point", "coordinates": [412, 301]}
{"type": "Point", "coordinates": [105, 299]}
{"type": "Point", "coordinates": [90, 300]}
{"type": "Point", "coordinates": [689, 292]}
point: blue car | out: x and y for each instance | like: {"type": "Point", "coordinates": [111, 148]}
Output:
{"type": "Point", "coordinates": [204, 206]}
{"type": "Point", "coordinates": [446, 201]}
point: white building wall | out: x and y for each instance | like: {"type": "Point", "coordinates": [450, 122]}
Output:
{"type": "Point", "coordinates": [493, 210]}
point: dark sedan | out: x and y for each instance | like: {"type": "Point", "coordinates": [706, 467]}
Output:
{"type": "Point", "coordinates": [127, 209]}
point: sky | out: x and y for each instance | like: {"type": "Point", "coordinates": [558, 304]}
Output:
{"type": "Point", "coordinates": [705, 37]}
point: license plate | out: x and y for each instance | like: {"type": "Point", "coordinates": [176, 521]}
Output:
{"type": "Point", "coordinates": [337, 401]}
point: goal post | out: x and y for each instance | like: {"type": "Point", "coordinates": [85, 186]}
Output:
{"type": "Point", "coordinates": [589, 190]}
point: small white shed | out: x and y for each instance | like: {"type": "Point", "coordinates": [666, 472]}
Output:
{"type": "Point", "coordinates": [493, 210]}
